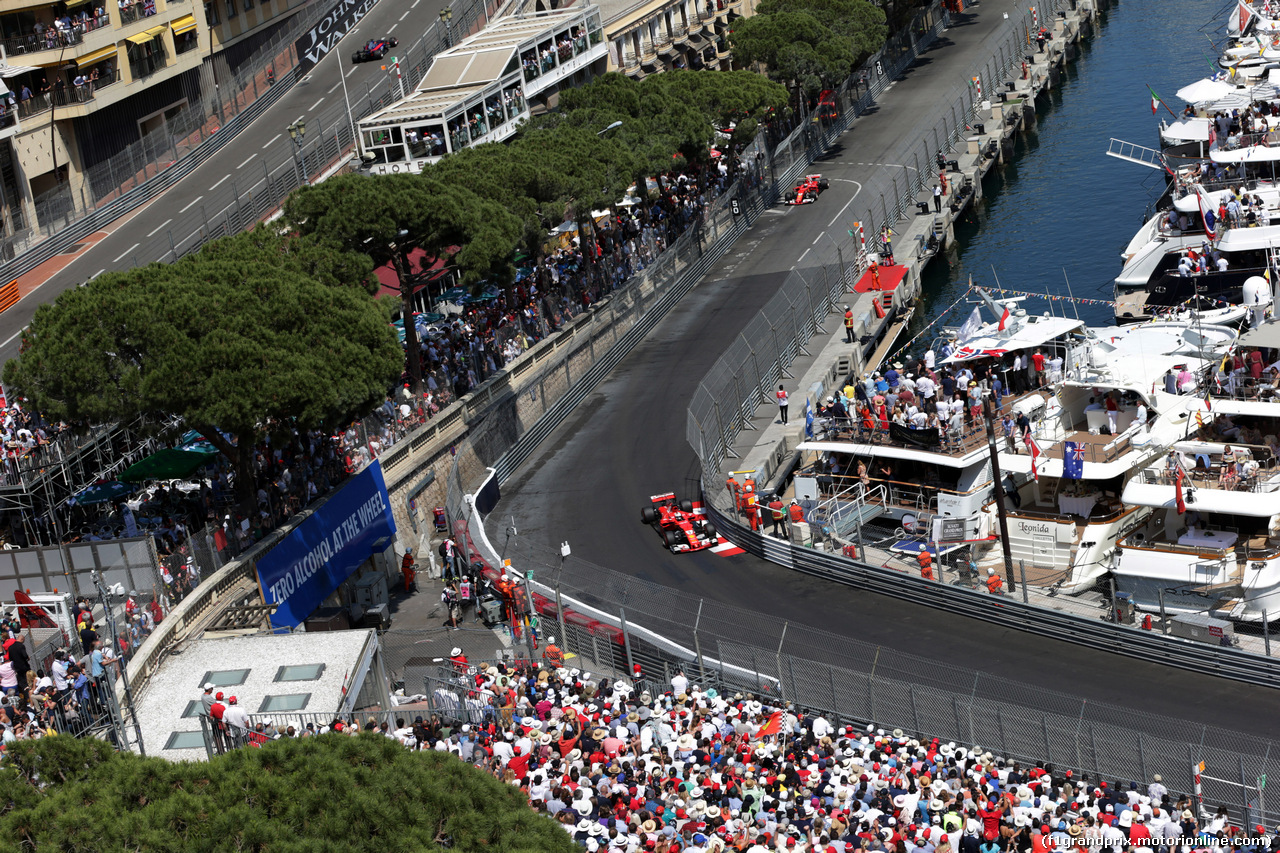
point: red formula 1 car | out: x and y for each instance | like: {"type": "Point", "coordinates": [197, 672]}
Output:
{"type": "Point", "coordinates": [806, 192]}
{"type": "Point", "coordinates": [681, 528]}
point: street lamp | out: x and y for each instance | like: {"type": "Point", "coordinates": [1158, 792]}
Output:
{"type": "Point", "coordinates": [297, 131]}
{"type": "Point", "coordinates": [609, 128]}
{"type": "Point", "coordinates": [446, 14]}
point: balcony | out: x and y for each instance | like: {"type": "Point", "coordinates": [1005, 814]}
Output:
{"type": "Point", "coordinates": [143, 65]}
{"type": "Point", "coordinates": [65, 96]}
{"type": "Point", "coordinates": [55, 38]}
{"type": "Point", "coordinates": [8, 120]}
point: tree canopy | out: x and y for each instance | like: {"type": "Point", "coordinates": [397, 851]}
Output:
{"type": "Point", "coordinates": [678, 111]}
{"type": "Point", "coordinates": [252, 329]}
{"type": "Point", "coordinates": [387, 217]}
{"type": "Point", "coordinates": [814, 44]}
{"type": "Point", "coordinates": [328, 793]}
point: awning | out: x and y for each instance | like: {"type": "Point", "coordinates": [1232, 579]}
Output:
{"type": "Point", "coordinates": [183, 25]}
{"type": "Point", "coordinates": [101, 493]}
{"type": "Point", "coordinates": [7, 71]}
{"type": "Point", "coordinates": [1266, 335]}
{"type": "Point", "coordinates": [108, 52]}
{"type": "Point", "coordinates": [71, 4]}
{"type": "Point", "coordinates": [147, 35]}
{"type": "Point", "coordinates": [166, 465]}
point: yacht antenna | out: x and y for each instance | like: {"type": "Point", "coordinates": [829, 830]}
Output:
{"type": "Point", "coordinates": [1049, 299]}
{"type": "Point", "coordinates": [1075, 306]}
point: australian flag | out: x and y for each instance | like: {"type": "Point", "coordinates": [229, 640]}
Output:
{"type": "Point", "coordinates": [1072, 460]}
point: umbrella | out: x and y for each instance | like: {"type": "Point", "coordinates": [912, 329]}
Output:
{"type": "Point", "coordinates": [1205, 90]}
{"type": "Point", "coordinates": [196, 443]}
{"type": "Point", "coordinates": [166, 464]}
{"type": "Point", "coordinates": [452, 294]}
{"type": "Point", "coordinates": [100, 493]}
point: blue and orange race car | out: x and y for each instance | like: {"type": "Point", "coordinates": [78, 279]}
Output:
{"type": "Point", "coordinates": [374, 49]}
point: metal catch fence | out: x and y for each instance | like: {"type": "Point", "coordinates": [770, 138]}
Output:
{"type": "Point", "coordinates": [615, 621]}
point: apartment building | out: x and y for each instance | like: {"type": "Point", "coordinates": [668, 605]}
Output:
{"type": "Point", "coordinates": [662, 35]}
{"type": "Point", "coordinates": [86, 79]}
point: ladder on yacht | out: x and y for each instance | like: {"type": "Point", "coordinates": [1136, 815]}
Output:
{"type": "Point", "coordinates": [1134, 153]}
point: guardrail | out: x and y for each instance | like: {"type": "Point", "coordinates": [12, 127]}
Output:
{"type": "Point", "coordinates": [1011, 613]}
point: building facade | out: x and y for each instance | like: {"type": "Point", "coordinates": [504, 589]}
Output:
{"type": "Point", "coordinates": [85, 80]}
{"type": "Point", "coordinates": [664, 35]}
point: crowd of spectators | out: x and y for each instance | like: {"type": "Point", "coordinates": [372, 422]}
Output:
{"type": "Point", "coordinates": [73, 695]}
{"type": "Point", "coordinates": [463, 351]}
{"type": "Point", "coordinates": [692, 770]}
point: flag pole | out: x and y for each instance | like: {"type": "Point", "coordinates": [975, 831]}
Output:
{"type": "Point", "coordinates": [998, 494]}
{"type": "Point", "coordinates": [1161, 102]}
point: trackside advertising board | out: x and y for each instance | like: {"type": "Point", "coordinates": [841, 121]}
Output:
{"type": "Point", "coordinates": [328, 31]}
{"type": "Point", "coordinates": [323, 551]}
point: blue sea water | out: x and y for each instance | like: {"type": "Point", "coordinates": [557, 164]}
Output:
{"type": "Point", "coordinates": [1061, 210]}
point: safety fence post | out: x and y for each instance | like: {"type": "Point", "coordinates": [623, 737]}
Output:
{"type": "Point", "coordinates": [697, 644]}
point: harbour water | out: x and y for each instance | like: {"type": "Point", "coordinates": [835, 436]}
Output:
{"type": "Point", "coordinates": [1061, 210]}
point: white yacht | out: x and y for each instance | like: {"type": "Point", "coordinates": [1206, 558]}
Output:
{"type": "Point", "coordinates": [918, 474]}
{"type": "Point", "coordinates": [1063, 528]}
{"type": "Point", "coordinates": [1066, 527]}
{"type": "Point", "coordinates": [1220, 552]}
{"type": "Point", "coordinates": [1151, 281]}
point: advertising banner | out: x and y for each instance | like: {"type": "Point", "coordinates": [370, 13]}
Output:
{"type": "Point", "coordinates": [325, 549]}
{"type": "Point", "coordinates": [328, 31]}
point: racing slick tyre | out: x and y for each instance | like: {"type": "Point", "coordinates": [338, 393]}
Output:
{"type": "Point", "coordinates": [672, 538]}
{"type": "Point", "coordinates": [649, 515]}
{"type": "Point", "coordinates": [710, 532]}
{"type": "Point", "coordinates": [824, 183]}
{"type": "Point", "coordinates": [686, 506]}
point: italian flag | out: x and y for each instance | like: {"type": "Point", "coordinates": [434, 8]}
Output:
{"type": "Point", "coordinates": [1155, 100]}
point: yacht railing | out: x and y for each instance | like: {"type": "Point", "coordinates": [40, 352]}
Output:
{"type": "Point", "coordinates": [842, 512]}
{"type": "Point", "coordinates": [1133, 542]}
{"type": "Point", "coordinates": [1258, 473]}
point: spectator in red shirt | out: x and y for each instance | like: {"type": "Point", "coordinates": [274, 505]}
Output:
{"type": "Point", "coordinates": [990, 815]}
{"type": "Point", "coordinates": [1037, 361]}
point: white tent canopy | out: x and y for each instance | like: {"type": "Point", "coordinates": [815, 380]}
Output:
{"type": "Point", "coordinates": [1205, 90]}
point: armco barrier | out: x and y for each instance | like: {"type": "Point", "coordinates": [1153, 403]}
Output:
{"type": "Point", "coordinates": [1006, 610]}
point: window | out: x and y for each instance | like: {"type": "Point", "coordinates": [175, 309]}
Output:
{"type": "Point", "coordinates": [225, 677]}
{"type": "Point", "coordinates": [232, 9]}
{"type": "Point", "coordinates": [193, 709]}
{"type": "Point", "coordinates": [284, 702]}
{"type": "Point", "coordinates": [211, 13]}
{"type": "Point", "coordinates": [185, 740]}
{"type": "Point", "coordinates": [248, 5]}
{"type": "Point", "coordinates": [301, 672]}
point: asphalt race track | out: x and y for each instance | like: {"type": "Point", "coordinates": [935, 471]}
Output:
{"type": "Point", "coordinates": [239, 165]}
{"type": "Point", "coordinates": [627, 441]}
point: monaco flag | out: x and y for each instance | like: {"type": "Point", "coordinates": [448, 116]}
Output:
{"type": "Point", "coordinates": [1035, 455]}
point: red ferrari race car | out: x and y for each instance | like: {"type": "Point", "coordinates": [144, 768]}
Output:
{"type": "Point", "coordinates": [681, 528]}
{"type": "Point", "coordinates": [374, 49]}
{"type": "Point", "coordinates": [806, 192]}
